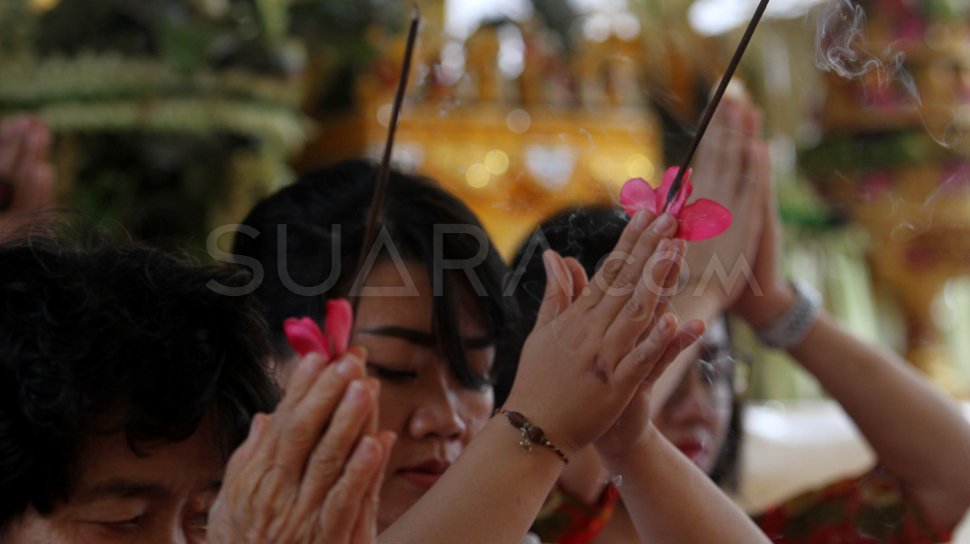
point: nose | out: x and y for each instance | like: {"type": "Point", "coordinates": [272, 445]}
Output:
{"type": "Point", "coordinates": [439, 412]}
{"type": "Point", "coordinates": [692, 401]}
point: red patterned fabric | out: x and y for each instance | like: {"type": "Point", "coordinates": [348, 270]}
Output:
{"type": "Point", "coordinates": [567, 520]}
{"type": "Point", "coordinates": [871, 508]}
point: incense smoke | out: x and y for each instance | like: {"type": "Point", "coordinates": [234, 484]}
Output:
{"type": "Point", "coordinates": [841, 48]}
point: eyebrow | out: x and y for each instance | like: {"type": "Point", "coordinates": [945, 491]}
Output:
{"type": "Point", "coordinates": [124, 488]}
{"type": "Point", "coordinates": [426, 339]}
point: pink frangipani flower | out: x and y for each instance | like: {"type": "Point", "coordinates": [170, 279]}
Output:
{"type": "Point", "coordinates": [305, 335]}
{"type": "Point", "coordinates": [699, 220]}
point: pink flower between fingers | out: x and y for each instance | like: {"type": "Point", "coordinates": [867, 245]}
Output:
{"type": "Point", "coordinates": [340, 321]}
{"type": "Point", "coordinates": [305, 336]}
{"type": "Point", "coordinates": [699, 220]}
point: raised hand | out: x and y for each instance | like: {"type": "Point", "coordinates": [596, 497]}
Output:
{"type": "Point", "coordinates": [596, 342]}
{"type": "Point", "coordinates": [311, 471]}
{"type": "Point", "coordinates": [731, 168]}
{"type": "Point", "coordinates": [26, 175]}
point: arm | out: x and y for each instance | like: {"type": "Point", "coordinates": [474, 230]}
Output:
{"type": "Point", "coordinates": [666, 496]}
{"type": "Point", "coordinates": [916, 432]}
{"type": "Point", "coordinates": [580, 367]}
{"type": "Point", "coordinates": [728, 163]}
{"type": "Point", "coordinates": [671, 500]}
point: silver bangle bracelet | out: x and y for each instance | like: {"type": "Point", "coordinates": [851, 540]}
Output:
{"type": "Point", "coordinates": [792, 327]}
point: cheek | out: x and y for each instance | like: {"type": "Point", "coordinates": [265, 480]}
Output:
{"type": "Point", "coordinates": [722, 422]}
{"type": "Point", "coordinates": [394, 407]}
{"type": "Point", "coordinates": [477, 409]}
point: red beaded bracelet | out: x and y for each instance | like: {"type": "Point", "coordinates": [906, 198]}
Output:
{"type": "Point", "coordinates": [531, 434]}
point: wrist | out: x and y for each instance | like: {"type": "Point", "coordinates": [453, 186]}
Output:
{"type": "Point", "coordinates": [617, 460]}
{"type": "Point", "coordinates": [769, 307]}
{"type": "Point", "coordinates": [531, 435]}
{"type": "Point", "coordinates": [788, 330]}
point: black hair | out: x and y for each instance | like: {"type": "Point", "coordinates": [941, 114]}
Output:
{"type": "Point", "coordinates": [113, 338]}
{"type": "Point", "coordinates": [589, 234]}
{"type": "Point", "coordinates": [323, 216]}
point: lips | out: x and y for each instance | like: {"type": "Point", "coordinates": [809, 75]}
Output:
{"type": "Point", "coordinates": [425, 474]}
{"type": "Point", "coordinates": [692, 449]}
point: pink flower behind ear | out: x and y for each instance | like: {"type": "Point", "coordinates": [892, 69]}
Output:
{"type": "Point", "coordinates": [699, 220]}
{"type": "Point", "coordinates": [340, 321]}
{"type": "Point", "coordinates": [305, 337]}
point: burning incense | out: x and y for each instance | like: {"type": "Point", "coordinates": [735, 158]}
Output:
{"type": "Point", "coordinates": [715, 100]}
{"type": "Point", "coordinates": [380, 188]}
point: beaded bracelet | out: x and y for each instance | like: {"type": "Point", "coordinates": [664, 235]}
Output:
{"type": "Point", "coordinates": [531, 434]}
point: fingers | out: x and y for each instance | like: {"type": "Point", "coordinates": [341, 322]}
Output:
{"type": "Point", "coordinates": [618, 276]}
{"type": "Point", "coordinates": [638, 363]}
{"type": "Point", "coordinates": [558, 288]}
{"type": "Point", "coordinates": [734, 142]}
{"type": "Point", "coordinates": [689, 333]}
{"type": "Point", "coordinates": [301, 423]}
{"type": "Point", "coordinates": [245, 451]}
{"type": "Point", "coordinates": [301, 380]}
{"type": "Point", "coordinates": [579, 279]}
{"type": "Point", "coordinates": [346, 499]}
{"type": "Point", "coordinates": [41, 193]}
{"type": "Point", "coordinates": [640, 310]}
{"type": "Point", "coordinates": [12, 142]}
{"type": "Point", "coordinates": [349, 423]}
{"type": "Point", "coordinates": [366, 530]}
{"type": "Point", "coordinates": [615, 262]}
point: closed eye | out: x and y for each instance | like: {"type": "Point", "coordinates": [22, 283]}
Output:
{"type": "Point", "coordinates": [120, 525]}
{"type": "Point", "coordinates": [392, 375]}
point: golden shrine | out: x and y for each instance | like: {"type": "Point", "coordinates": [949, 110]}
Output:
{"type": "Point", "coordinates": [562, 131]}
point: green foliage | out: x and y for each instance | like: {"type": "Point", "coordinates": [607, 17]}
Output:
{"type": "Point", "coordinates": [156, 101]}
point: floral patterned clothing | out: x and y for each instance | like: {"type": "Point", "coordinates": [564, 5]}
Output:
{"type": "Point", "coordinates": [565, 519]}
{"type": "Point", "coordinates": [872, 508]}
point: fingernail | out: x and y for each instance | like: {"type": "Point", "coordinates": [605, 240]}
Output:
{"type": "Point", "coordinates": [666, 322]}
{"type": "Point", "coordinates": [664, 246]}
{"type": "Point", "coordinates": [358, 352]}
{"type": "Point", "coordinates": [640, 220]}
{"type": "Point", "coordinates": [548, 262]}
{"type": "Point", "coordinates": [346, 367]}
{"type": "Point", "coordinates": [357, 392]}
{"type": "Point", "coordinates": [663, 223]}
{"type": "Point", "coordinates": [256, 426]}
{"type": "Point", "coordinates": [312, 363]}
{"type": "Point", "coordinates": [367, 449]}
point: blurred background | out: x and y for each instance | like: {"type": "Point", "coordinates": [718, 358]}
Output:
{"type": "Point", "coordinates": [172, 117]}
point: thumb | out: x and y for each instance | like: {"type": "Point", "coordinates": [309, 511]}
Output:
{"type": "Point", "coordinates": [558, 288]}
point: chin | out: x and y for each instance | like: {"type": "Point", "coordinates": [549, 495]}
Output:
{"type": "Point", "coordinates": [396, 499]}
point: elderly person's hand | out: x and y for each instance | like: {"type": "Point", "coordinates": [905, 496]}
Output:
{"type": "Point", "coordinates": [26, 175]}
{"type": "Point", "coordinates": [311, 471]}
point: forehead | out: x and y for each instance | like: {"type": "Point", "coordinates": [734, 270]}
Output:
{"type": "Point", "coordinates": [401, 294]}
{"type": "Point", "coordinates": [107, 463]}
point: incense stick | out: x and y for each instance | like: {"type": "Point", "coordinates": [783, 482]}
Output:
{"type": "Point", "coordinates": [380, 187]}
{"type": "Point", "coordinates": [715, 100]}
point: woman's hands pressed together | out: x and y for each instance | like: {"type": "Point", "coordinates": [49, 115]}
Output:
{"type": "Point", "coordinates": [312, 470]}
{"type": "Point", "coordinates": [596, 342]}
